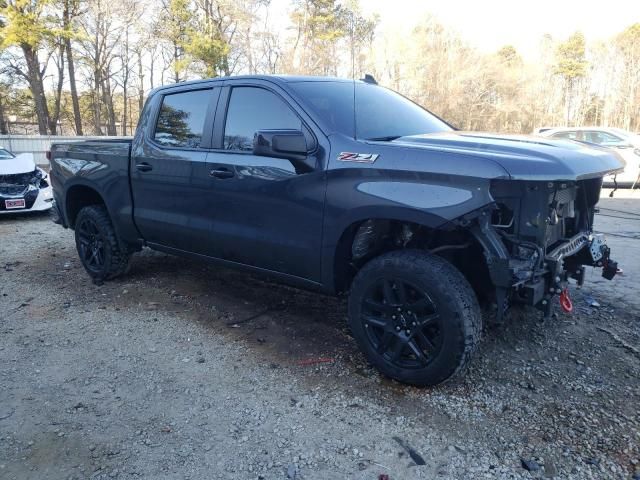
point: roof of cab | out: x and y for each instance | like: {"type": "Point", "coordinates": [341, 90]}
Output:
{"type": "Point", "coordinates": [271, 78]}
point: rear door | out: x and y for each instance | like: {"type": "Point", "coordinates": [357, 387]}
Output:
{"type": "Point", "coordinates": [268, 212]}
{"type": "Point", "coordinates": [169, 174]}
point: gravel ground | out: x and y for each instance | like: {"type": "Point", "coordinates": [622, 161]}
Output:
{"type": "Point", "coordinates": [183, 370]}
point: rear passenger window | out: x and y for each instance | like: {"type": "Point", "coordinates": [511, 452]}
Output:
{"type": "Point", "coordinates": [181, 119]}
{"type": "Point", "coordinates": [569, 135]}
{"type": "Point", "coordinates": [252, 109]}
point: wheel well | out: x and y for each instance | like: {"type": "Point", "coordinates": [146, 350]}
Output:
{"type": "Point", "coordinates": [370, 238]}
{"type": "Point", "coordinates": [78, 197]}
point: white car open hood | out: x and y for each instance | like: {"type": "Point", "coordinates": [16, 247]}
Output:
{"type": "Point", "coordinates": [22, 163]}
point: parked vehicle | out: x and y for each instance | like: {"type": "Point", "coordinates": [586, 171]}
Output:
{"type": "Point", "coordinates": [627, 144]}
{"type": "Point", "coordinates": [24, 187]}
{"type": "Point", "coordinates": [344, 187]}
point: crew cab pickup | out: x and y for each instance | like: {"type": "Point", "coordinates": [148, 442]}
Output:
{"type": "Point", "coordinates": [344, 187]}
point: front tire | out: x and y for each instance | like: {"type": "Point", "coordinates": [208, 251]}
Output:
{"type": "Point", "coordinates": [414, 316]}
{"type": "Point", "coordinates": [102, 255]}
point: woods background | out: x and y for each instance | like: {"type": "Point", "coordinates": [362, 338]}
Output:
{"type": "Point", "coordinates": [85, 66]}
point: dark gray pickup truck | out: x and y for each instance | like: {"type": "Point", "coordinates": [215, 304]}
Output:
{"type": "Point", "coordinates": [344, 187]}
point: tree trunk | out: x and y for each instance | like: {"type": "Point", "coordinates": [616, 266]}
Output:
{"type": "Point", "coordinates": [131, 119]}
{"type": "Point", "coordinates": [3, 122]}
{"type": "Point", "coordinates": [37, 88]}
{"type": "Point", "coordinates": [225, 65]}
{"type": "Point", "coordinates": [77, 116]}
{"type": "Point", "coordinates": [107, 99]}
{"type": "Point", "coordinates": [125, 108]}
{"type": "Point", "coordinates": [97, 110]}
{"type": "Point", "coordinates": [125, 83]}
{"type": "Point", "coordinates": [176, 58]}
{"type": "Point", "coordinates": [53, 121]}
{"type": "Point", "coordinates": [151, 69]}
{"type": "Point", "coordinates": [141, 84]}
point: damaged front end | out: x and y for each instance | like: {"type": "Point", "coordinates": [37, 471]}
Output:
{"type": "Point", "coordinates": [25, 191]}
{"type": "Point", "coordinates": [537, 236]}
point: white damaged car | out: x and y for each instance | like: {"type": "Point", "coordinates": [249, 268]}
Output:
{"type": "Point", "coordinates": [24, 187]}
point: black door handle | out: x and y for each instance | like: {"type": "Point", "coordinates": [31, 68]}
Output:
{"type": "Point", "coordinates": [221, 172]}
{"type": "Point", "coordinates": [144, 167]}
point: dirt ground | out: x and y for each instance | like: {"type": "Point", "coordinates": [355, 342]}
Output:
{"type": "Point", "coordinates": [184, 370]}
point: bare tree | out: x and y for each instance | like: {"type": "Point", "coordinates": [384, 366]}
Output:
{"type": "Point", "coordinates": [59, 63]}
{"type": "Point", "coordinates": [29, 30]}
{"type": "Point", "coordinates": [103, 26]}
{"type": "Point", "coordinates": [4, 130]}
{"type": "Point", "coordinates": [70, 12]}
{"type": "Point", "coordinates": [109, 53]}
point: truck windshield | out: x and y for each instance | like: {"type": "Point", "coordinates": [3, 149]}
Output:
{"type": "Point", "coordinates": [380, 113]}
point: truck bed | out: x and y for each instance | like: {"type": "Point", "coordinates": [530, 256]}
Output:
{"type": "Point", "coordinates": [106, 162]}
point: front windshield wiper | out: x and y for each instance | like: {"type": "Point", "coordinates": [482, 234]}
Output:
{"type": "Point", "coordinates": [390, 138]}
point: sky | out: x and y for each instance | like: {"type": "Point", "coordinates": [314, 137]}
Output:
{"type": "Point", "coordinates": [491, 24]}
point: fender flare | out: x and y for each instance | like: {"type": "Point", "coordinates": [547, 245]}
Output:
{"type": "Point", "coordinates": [81, 182]}
{"type": "Point", "coordinates": [337, 229]}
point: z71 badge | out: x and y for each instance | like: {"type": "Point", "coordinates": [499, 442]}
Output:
{"type": "Point", "coordinates": [358, 157]}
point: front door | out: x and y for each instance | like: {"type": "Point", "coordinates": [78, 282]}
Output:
{"type": "Point", "coordinates": [267, 212]}
{"type": "Point", "coordinates": [169, 174]}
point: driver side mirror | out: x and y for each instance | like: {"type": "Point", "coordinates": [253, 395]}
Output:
{"type": "Point", "coordinates": [288, 144]}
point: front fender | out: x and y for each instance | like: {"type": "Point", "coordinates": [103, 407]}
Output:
{"type": "Point", "coordinates": [432, 200]}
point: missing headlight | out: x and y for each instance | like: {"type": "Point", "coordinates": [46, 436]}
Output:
{"type": "Point", "coordinates": [502, 217]}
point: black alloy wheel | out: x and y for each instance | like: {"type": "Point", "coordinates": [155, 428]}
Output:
{"type": "Point", "coordinates": [102, 254]}
{"type": "Point", "coordinates": [91, 245]}
{"type": "Point", "coordinates": [402, 323]}
{"type": "Point", "coordinates": [414, 316]}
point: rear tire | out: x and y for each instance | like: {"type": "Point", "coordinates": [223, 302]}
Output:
{"type": "Point", "coordinates": [102, 255]}
{"type": "Point", "coordinates": [415, 317]}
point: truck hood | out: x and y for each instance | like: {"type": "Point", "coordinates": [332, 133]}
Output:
{"type": "Point", "coordinates": [525, 157]}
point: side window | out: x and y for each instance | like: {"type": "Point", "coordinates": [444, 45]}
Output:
{"type": "Point", "coordinates": [5, 153]}
{"type": "Point", "coordinates": [603, 138]}
{"type": "Point", "coordinates": [568, 135]}
{"type": "Point", "coordinates": [252, 109]}
{"type": "Point", "coordinates": [181, 119]}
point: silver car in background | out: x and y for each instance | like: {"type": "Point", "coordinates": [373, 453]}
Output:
{"type": "Point", "coordinates": [627, 144]}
